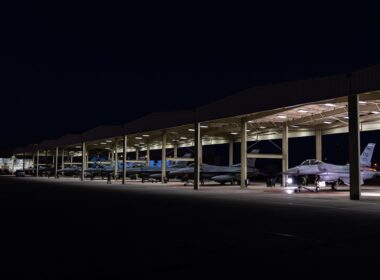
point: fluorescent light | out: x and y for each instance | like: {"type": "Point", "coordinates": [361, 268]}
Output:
{"type": "Point", "coordinates": [362, 102]}
{"type": "Point", "coordinates": [302, 111]}
{"type": "Point", "coordinates": [263, 126]}
{"type": "Point", "coordinates": [281, 117]}
{"type": "Point", "coordinates": [250, 121]}
{"type": "Point", "coordinates": [191, 129]}
{"type": "Point", "coordinates": [248, 130]}
{"type": "Point", "coordinates": [146, 135]}
{"type": "Point", "coordinates": [234, 133]}
{"type": "Point", "coordinates": [95, 144]}
{"type": "Point", "coordinates": [330, 105]}
{"type": "Point", "coordinates": [375, 112]}
{"type": "Point", "coordinates": [295, 126]}
{"type": "Point", "coordinates": [103, 143]}
{"type": "Point", "coordinates": [327, 122]}
{"type": "Point", "coordinates": [346, 117]}
{"type": "Point", "coordinates": [109, 141]}
{"type": "Point", "coordinates": [138, 137]}
{"type": "Point", "coordinates": [183, 138]}
{"type": "Point", "coordinates": [77, 146]}
{"type": "Point", "coordinates": [204, 126]}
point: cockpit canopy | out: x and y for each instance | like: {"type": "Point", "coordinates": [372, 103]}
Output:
{"type": "Point", "coordinates": [311, 162]}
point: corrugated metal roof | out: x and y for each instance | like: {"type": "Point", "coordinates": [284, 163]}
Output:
{"type": "Point", "coordinates": [103, 132]}
{"type": "Point", "coordinates": [160, 120]}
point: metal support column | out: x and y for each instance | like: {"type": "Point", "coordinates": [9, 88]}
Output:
{"type": "Point", "coordinates": [354, 146]}
{"type": "Point", "coordinates": [38, 162]}
{"type": "Point", "coordinates": [63, 159]}
{"type": "Point", "coordinates": [285, 152]}
{"type": "Point", "coordinates": [23, 161]}
{"type": "Point", "coordinates": [116, 166]}
{"type": "Point", "coordinates": [137, 153]}
{"type": "Point", "coordinates": [163, 158]}
{"type": "Point", "coordinates": [56, 163]}
{"type": "Point", "coordinates": [243, 154]}
{"type": "Point", "coordinates": [318, 144]}
{"type": "Point", "coordinates": [147, 153]}
{"type": "Point", "coordinates": [83, 160]}
{"type": "Point", "coordinates": [124, 158]}
{"type": "Point", "coordinates": [231, 152]}
{"type": "Point", "coordinates": [175, 151]}
{"type": "Point", "coordinates": [197, 155]}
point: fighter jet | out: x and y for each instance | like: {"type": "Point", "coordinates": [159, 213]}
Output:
{"type": "Point", "coordinates": [153, 173]}
{"type": "Point", "coordinates": [70, 171]}
{"type": "Point", "coordinates": [217, 173]}
{"type": "Point", "coordinates": [331, 173]}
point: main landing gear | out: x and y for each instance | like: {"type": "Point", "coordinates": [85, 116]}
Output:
{"type": "Point", "coordinates": [303, 185]}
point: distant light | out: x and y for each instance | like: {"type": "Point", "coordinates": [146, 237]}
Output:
{"type": "Point", "coordinates": [346, 117]}
{"type": "Point", "coordinates": [234, 133]}
{"type": "Point", "coordinates": [136, 145]}
{"type": "Point", "coordinates": [103, 143]}
{"type": "Point", "coordinates": [250, 121]}
{"type": "Point", "coordinates": [142, 143]}
{"type": "Point", "coordinates": [77, 147]}
{"type": "Point", "coordinates": [263, 126]}
{"type": "Point", "coordinates": [281, 117]}
{"type": "Point", "coordinates": [295, 126]}
{"type": "Point", "coordinates": [330, 105]}
{"type": "Point", "coordinates": [375, 112]}
{"type": "Point", "coordinates": [204, 126]}
{"type": "Point", "coordinates": [302, 111]}
{"type": "Point", "coordinates": [138, 137]}
{"type": "Point", "coordinates": [248, 130]}
{"type": "Point", "coordinates": [175, 140]}
{"type": "Point", "coordinates": [370, 194]}
{"type": "Point", "coordinates": [183, 138]}
{"type": "Point", "coordinates": [326, 122]}
{"type": "Point", "coordinates": [146, 135]}
{"type": "Point", "coordinates": [289, 181]}
{"type": "Point", "coordinates": [362, 102]}
{"type": "Point", "coordinates": [109, 141]}
{"type": "Point", "coordinates": [191, 129]}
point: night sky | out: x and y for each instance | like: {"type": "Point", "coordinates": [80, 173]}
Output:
{"type": "Point", "coordinates": [66, 68]}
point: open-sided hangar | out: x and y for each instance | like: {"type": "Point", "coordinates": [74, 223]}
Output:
{"type": "Point", "coordinates": [314, 107]}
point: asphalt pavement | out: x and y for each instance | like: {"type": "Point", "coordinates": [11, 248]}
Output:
{"type": "Point", "coordinates": [62, 229]}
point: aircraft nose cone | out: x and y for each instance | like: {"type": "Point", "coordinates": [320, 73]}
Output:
{"type": "Point", "coordinates": [292, 171]}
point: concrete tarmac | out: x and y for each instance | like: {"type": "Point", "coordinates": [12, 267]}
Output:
{"type": "Point", "coordinates": [64, 228]}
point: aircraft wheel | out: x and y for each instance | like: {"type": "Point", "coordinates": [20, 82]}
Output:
{"type": "Point", "coordinates": [317, 189]}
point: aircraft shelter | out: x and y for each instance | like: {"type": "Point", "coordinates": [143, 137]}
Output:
{"type": "Point", "coordinates": [348, 103]}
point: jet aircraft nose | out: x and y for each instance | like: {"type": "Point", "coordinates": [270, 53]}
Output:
{"type": "Point", "coordinates": [292, 171]}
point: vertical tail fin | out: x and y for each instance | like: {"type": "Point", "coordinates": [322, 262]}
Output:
{"type": "Point", "coordinates": [366, 156]}
{"type": "Point", "coordinates": [252, 161]}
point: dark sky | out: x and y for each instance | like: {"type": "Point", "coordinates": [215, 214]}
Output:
{"type": "Point", "coordinates": [66, 68]}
